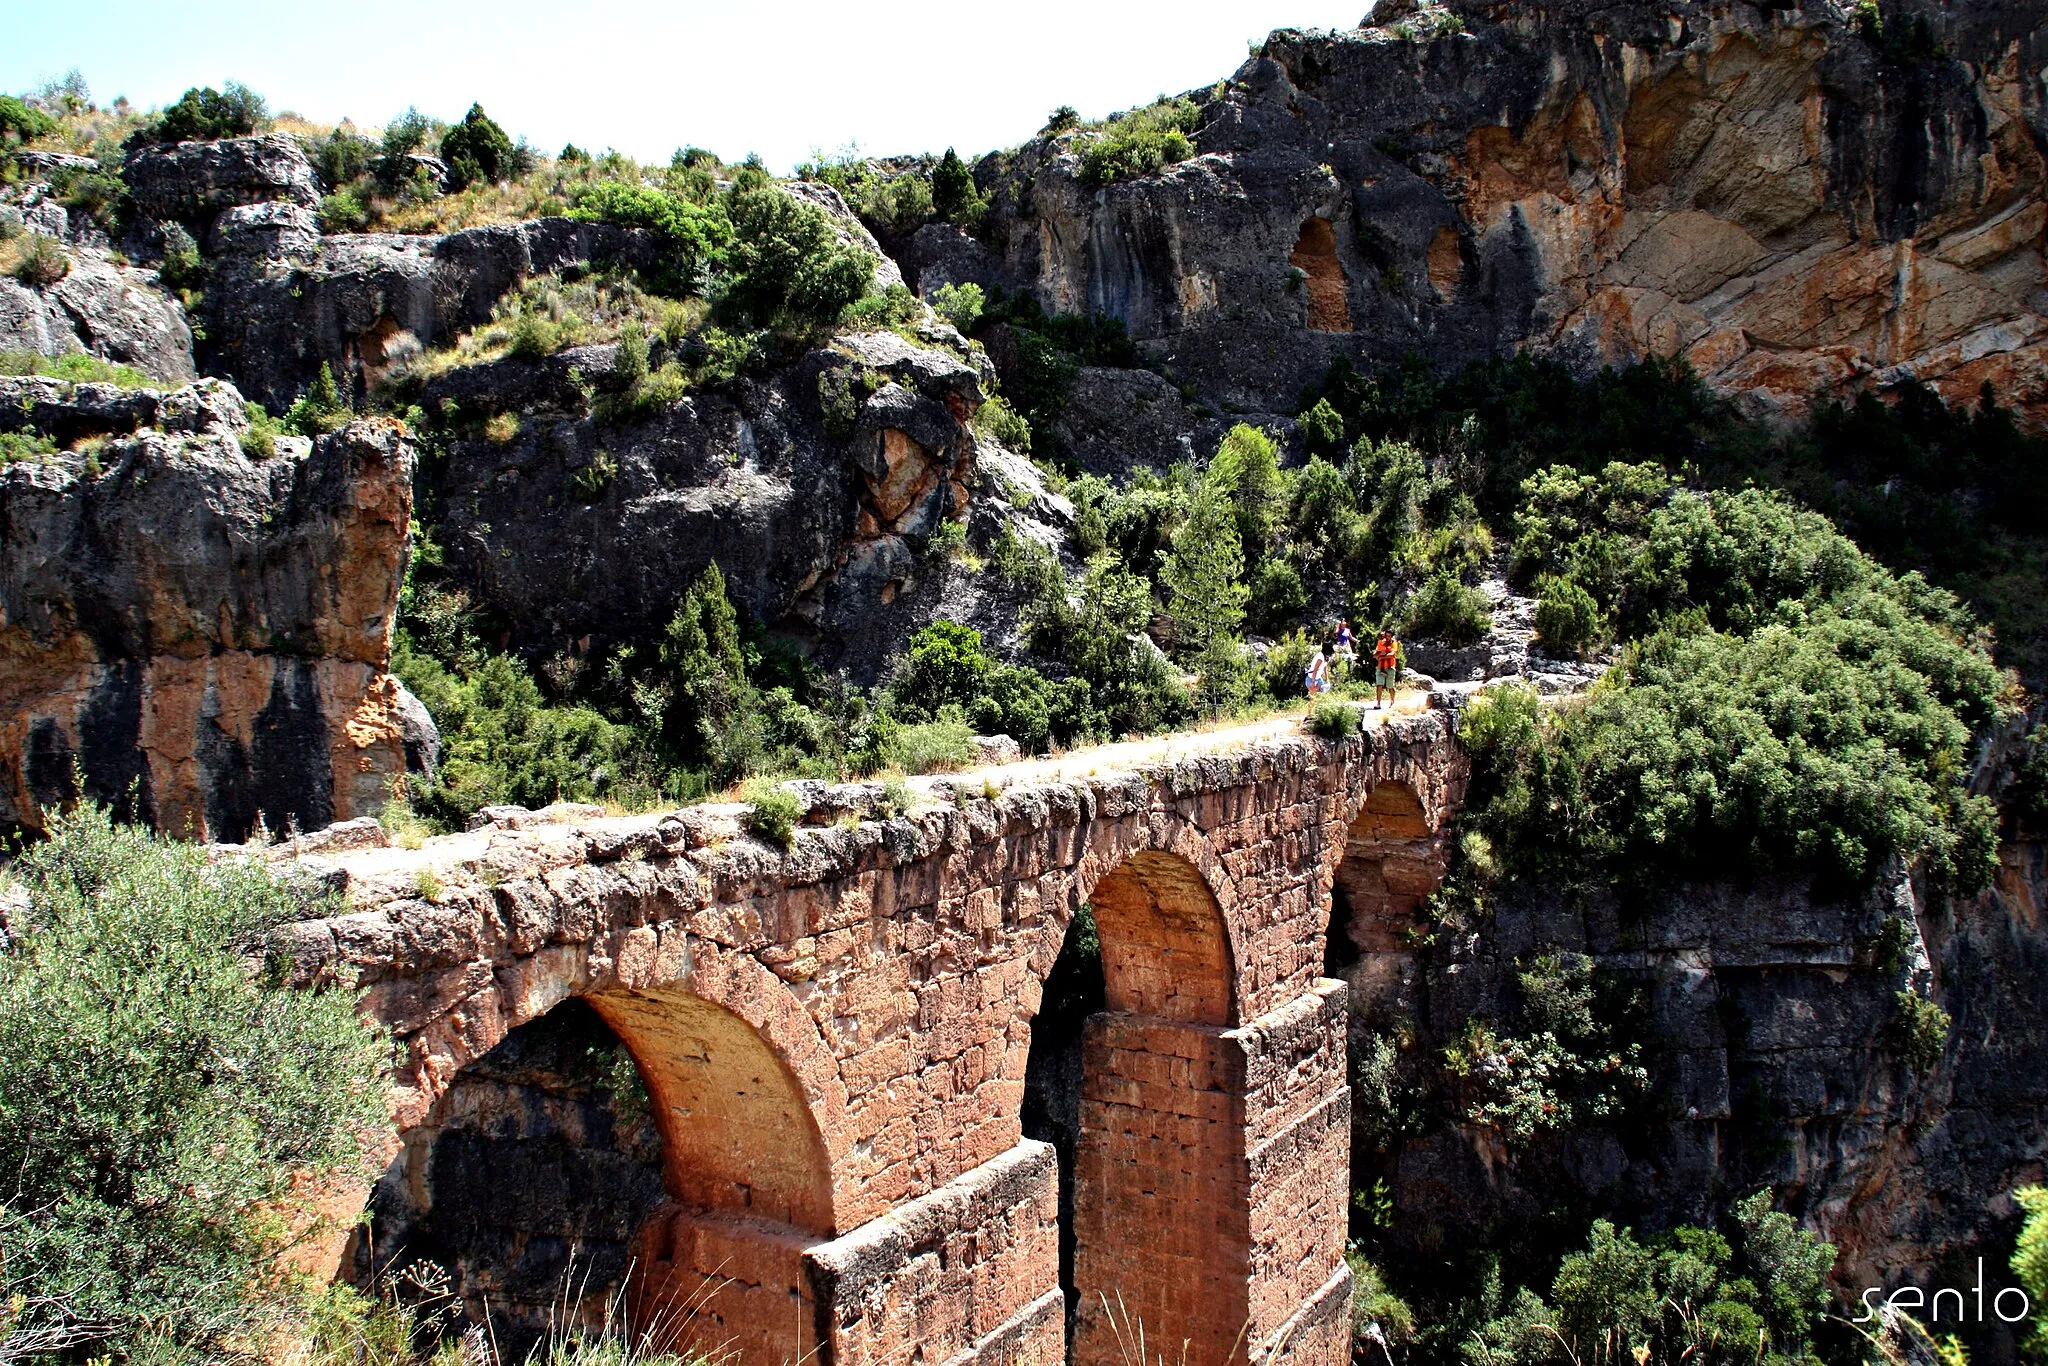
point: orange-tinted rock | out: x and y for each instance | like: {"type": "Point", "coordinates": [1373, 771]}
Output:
{"type": "Point", "coordinates": [200, 634]}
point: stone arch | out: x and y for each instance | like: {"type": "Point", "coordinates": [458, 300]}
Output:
{"type": "Point", "coordinates": [1315, 253]}
{"type": "Point", "coordinates": [1394, 854]}
{"type": "Point", "coordinates": [1166, 949]}
{"type": "Point", "coordinates": [738, 1136]}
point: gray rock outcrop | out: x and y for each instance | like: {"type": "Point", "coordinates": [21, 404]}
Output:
{"type": "Point", "coordinates": [191, 182]}
{"type": "Point", "coordinates": [1788, 204]}
{"type": "Point", "coordinates": [203, 635]}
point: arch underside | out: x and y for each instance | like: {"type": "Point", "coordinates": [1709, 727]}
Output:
{"type": "Point", "coordinates": [720, 1266]}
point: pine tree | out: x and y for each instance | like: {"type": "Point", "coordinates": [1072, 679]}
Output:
{"type": "Point", "coordinates": [952, 187]}
{"type": "Point", "coordinates": [1204, 572]}
{"type": "Point", "coordinates": [707, 670]}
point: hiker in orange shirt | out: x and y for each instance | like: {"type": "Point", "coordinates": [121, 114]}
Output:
{"type": "Point", "coordinates": [1386, 655]}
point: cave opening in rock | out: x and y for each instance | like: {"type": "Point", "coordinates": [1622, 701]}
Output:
{"type": "Point", "coordinates": [1315, 254]}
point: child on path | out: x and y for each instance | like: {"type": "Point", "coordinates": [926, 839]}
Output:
{"type": "Point", "coordinates": [1318, 674]}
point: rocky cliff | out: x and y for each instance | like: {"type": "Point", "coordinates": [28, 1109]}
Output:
{"type": "Point", "coordinates": [198, 636]}
{"type": "Point", "coordinates": [1775, 1057]}
{"type": "Point", "coordinates": [1793, 201]}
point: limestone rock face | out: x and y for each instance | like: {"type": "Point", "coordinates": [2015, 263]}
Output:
{"type": "Point", "coordinates": [1788, 205]}
{"type": "Point", "coordinates": [284, 300]}
{"type": "Point", "coordinates": [204, 636]}
{"type": "Point", "coordinates": [102, 306]}
{"type": "Point", "coordinates": [814, 488]}
{"type": "Point", "coordinates": [193, 181]}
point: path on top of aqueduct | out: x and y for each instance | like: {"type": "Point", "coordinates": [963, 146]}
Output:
{"type": "Point", "coordinates": [835, 1037]}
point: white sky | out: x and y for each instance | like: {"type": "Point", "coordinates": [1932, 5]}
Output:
{"type": "Point", "coordinates": [779, 79]}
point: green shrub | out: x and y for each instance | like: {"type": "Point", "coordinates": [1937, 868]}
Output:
{"type": "Point", "coordinates": [946, 664]}
{"type": "Point", "coordinates": [76, 368]}
{"type": "Point", "coordinates": [954, 196]}
{"type": "Point", "coordinates": [477, 149]}
{"type": "Point", "coordinates": [1688, 1297]}
{"type": "Point", "coordinates": [961, 306]}
{"type": "Point", "coordinates": [929, 746]}
{"type": "Point", "coordinates": [1322, 427]}
{"type": "Point", "coordinates": [772, 812]}
{"type": "Point", "coordinates": [693, 234]}
{"type": "Point", "coordinates": [1923, 1031]}
{"type": "Point", "coordinates": [895, 306]}
{"type": "Point", "coordinates": [2030, 1264]}
{"type": "Point", "coordinates": [590, 481]}
{"type": "Point", "coordinates": [182, 267]}
{"type": "Point", "coordinates": [259, 439]}
{"type": "Point", "coordinates": [534, 336]}
{"type": "Point", "coordinates": [96, 193]}
{"type": "Point", "coordinates": [343, 211]}
{"type": "Point", "coordinates": [1141, 141]}
{"type": "Point", "coordinates": [19, 123]}
{"type": "Point", "coordinates": [24, 446]}
{"type": "Point", "coordinates": [207, 115]}
{"type": "Point", "coordinates": [1278, 600]}
{"type": "Point", "coordinates": [321, 409]}
{"type": "Point", "coordinates": [157, 1150]}
{"type": "Point", "coordinates": [1335, 720]}
{"type": "Point", "coordinates": [787, 261]}
{"type": "Point", "coordinates": [1447, 610]}
{"type": "Point", "coordinates": [1003, 424]}
{"type": "Point", "coordinates": [1204, 573]}
{"type": "Point", "coordinates": [1567, 618]}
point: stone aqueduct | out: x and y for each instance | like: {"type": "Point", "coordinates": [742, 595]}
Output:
{"type": "Point", "coordinates": [834, 1040]}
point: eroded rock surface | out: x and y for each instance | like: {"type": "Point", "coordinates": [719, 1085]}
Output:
{"type": "Point", "coordinates": [1791, 206]}
{"type": "Point", "coordinates": [202, 635]}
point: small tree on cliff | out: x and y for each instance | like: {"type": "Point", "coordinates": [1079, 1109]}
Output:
{"type": "Point", "coordinates": [711, 714]}
{"type": "Point", "coordinates": [167, 1102]}
{"type": "Point", "coordinates": [477, 149]}
{"type": "Point", "coordinates": [1204, 572]}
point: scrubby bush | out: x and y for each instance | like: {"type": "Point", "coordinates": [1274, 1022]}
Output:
{"type": "Point", "coordinates": [1922, 1031]}
{"type": "Point", "coordinates": [772, 812]}
{"type": "Point", "coordinates": [1567, 618]}
{"type": "Point", "coordinates": [788, 263]}
{"type": "Point", "coordinates": [78, 367]}
{"type": "Point", "coordinates": [477, 149]}
{"type": "Point", "coordinates": [168, 1104]}
{"type": "Point", "coordinates": [343, 211]}
{"type": "Point", "coordinates": [20, 123]}
{"type": "Point", "coordinates": [2030, 1264]}
{"type": "Point", "coordinates": [1691, 1296]}
{"type": "Point", "coordinates": [959, 305]}
{"type": "Point", "coordinates": [1204, 573]}
{"type": "Point", "coordinates": [1447, 610]}
{"type": "Point", "coordinates": [1335, 720]}
{"type": "Point", "coordinates": [40, 262]}
{"type": "Point", "coordinates": [1141, 141]}
{"type": "Point", "coordinates": [207, 115]}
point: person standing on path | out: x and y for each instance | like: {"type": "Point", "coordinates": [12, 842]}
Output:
{"type": "Point", "coordinates": [1386, 656]}
{"type": "Point", "coordinates": [1318, 674]}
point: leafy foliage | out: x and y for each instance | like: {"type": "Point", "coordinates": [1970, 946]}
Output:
{"type": "Point", "coordinates": [165, 1097]}
{"type": "Point", "coordinates": [2030, 1263]}
{"type": "Point", "coordinates": [1566, 1066]}
{"type": "Point", "coordinates": [476, 149]}
{"type": "Point", "coordinates": [1141, 141]}
{"type": "Point", "coordinates": [1790, 705]}
{"type": "Point", "coordinates": [208, 115]}
{"type": "Point", "coordinates": [22, 123]}
{"type": "Point", "coordinates": [1690, 1296]}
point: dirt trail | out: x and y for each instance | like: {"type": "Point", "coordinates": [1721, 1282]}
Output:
{"type": "Point", "coordinates": [1125, 755]}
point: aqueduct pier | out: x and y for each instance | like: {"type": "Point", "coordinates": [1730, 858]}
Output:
{"type": "Point", "coordinates": [834, 1041]}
